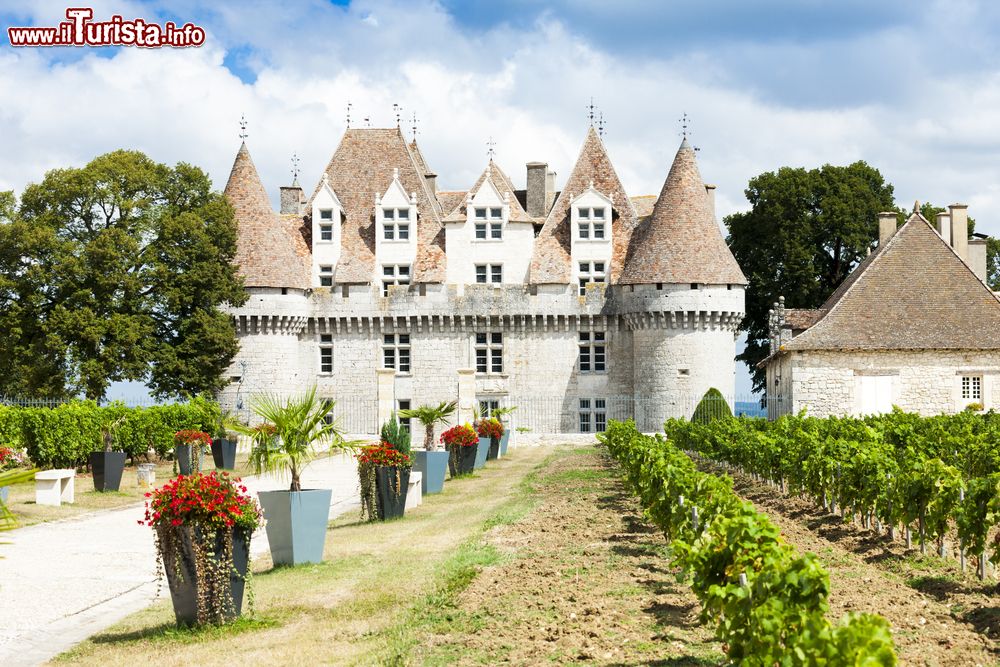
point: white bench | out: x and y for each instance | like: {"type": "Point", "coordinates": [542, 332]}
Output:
{"type": "Point", "coordinates": [53, 487]}
{"type": "Point", "coordinates": [414, 492]}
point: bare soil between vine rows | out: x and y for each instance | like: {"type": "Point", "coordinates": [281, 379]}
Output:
{"type": "Point", "coordinates": [586, 581]}
{"type": "Point", "coordinates": [938, 616]}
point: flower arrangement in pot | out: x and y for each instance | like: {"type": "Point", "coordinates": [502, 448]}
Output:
{"type": "Point", "coordinates": [189, 448]}
{"type": "Point", "coordinates": [431, 462]}
{"type": "Point", "coordinates": [492, 429]}
{"type": "Point", "coordinates": [203, 524]}
{"type": "Point", "coordinates": [461, 442]}
{"type": "Point", "coordinates": [286, 444]}
{"type": "Point", "coordinates": [384, 473]}
{"type": "Point", "coordinates": [106, 464]}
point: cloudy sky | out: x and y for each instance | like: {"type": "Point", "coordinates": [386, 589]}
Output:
{"type": "Point", "coordinates": [913, 88]}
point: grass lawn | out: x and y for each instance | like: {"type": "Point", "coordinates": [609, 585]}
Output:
{"type": "Point", "coordinates": [22, 496]}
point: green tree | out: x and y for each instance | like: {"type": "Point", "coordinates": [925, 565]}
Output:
{"type": "Point", "coordinates": [993, 263]}
{"type": "Point", "coordinates": [116, 271]}
{"type": "Point", "coordinates": [806, 230]}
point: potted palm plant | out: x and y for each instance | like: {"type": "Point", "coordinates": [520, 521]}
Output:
{"type": "Point", "coordinates": [500, 413]}
{"type": "Point", "coordinates": [286, 443]}
{"type": "Point", "coordinates": [432, 463]}
{"type": "Point", "coordinates": [106, 464]}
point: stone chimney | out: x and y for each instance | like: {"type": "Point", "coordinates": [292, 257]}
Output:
{"type": "Point", "coordinates": [538, 189]}
{"type": "Point", "coordinates": [432, 181]}
{"type": "Point", "coordinates": [886, 226]}
{"type": "Point", "coordinates": [960, 229]}
{"type": "Point", "coordinates": [292, 199]}
{"type": "Point", "coordinates": [550, 190]}
{"type": "Point", "coordinates": [710, 190]}
{"type": "Point", "coordinates": [977, 257]}
{"type": "Point", "coordinates": [944, 226]}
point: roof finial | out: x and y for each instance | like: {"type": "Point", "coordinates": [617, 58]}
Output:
{"type": "Point", "coordinates": [600, 124]}
{"type": "Point", "coordinates": [349, 105]}
{"type": "Point", "coordinates": [295, 169]}
{"type": "Point", "coordinates": [243, 127]}
{"type": "Point", "coordinates": [414, 126]}
{"type": "Point", "coordinates": [916, 206]}
{"type": "Point", "coordinates": [396, 109]}
{"type": "Point", "coordinates": [491, 148]}
{"type": "Point", "coordinates": [590, 112]}
{"type": "Point", "coordinates": [684, 125]}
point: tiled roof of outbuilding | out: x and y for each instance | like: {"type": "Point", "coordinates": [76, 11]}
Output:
{"type": "Point", "coordinates": [501, 182]}
{"type": "Point", "coordinates": [681, 242]}
{"type": "Point", "coordinates": [798, 319]}
{"type": "Point", "coordinates": [913, 293]}
{"type": "Point", "coordinates": [551, 260]}
{"type": "Point", "coordinates": [360, 168]}
{"type": "Point", "coordinates": [271, 249]}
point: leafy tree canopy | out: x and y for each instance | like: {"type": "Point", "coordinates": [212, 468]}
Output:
{"type": "Point", "coordinates": [116, 271]}
{"type": "Point", "coordinates": [806, 230]}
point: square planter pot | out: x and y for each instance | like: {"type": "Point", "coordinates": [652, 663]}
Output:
{"type": "Point", "coordinates": [182, 454]}
{"type": "Point", "coordinates": [296, 524]}
{"type": "Point", "coordinates": [482, 450]}
{"type": "Point", "coordinates": [432, 466]}
{"type": "Point", "coordinates": [224, 453]}
{"type": "Point", "coordinates": [503, 443]}
{"type": "Point", "coordinates": [391, 491]}
{"type": "Point", "coordinates": [107, 468]}
{"type": "Point", "coordinates": [465, 459]}
{"type": "Point", "coordinates": [494, 450]}
{"type": "Point", "coordinates": [184, 588]}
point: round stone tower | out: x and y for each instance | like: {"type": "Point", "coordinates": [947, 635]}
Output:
{"type": "Point", "coordinates": [682, 294]}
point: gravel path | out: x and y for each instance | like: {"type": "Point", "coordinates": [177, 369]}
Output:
{"type": "Point", "coordinates": [62, 581]}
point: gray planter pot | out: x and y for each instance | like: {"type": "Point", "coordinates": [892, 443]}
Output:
{"type": "Point", "coordinates": [224, 453]}
{"type": "Point", "coordinates": [432, 467]}
{"type": "Point", "coordinates": [391, 497]}
{"type": "Point", "coordinates": [482, 450]}
{"type": "Point", "coordinates": [182, 454]}
{"type": "Point", "coordinates": [184, 585]}
{"type": "Point", "coordinates": [107, 468]}
{"type": "Point", "coordinates": [494, 451]}
{"type": "Point", "coordinates": [296, 524]}
{"type": "Point", "coordinates": [503, 443]}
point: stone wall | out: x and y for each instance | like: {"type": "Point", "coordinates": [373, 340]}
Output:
{"type": "Point", "coordinates": [927, 382]}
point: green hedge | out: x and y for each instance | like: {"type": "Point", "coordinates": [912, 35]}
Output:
{"type": "Point", "coordinates": [64, 436]}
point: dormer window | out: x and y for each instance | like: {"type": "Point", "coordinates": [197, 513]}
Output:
{"type": "Point", "coordinates": [489, 223]}
{"type": "Point", "coordinates": [396, 224]}
{"type": "Point", "coordinates": [591, 225]}
{"type": "Point", "coordinates": [326, 224]}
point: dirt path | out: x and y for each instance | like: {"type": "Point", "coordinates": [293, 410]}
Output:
{"type": "Point", "coordinates": [586, 581]}
{"type": "Point", "coordinates": [870, 574]}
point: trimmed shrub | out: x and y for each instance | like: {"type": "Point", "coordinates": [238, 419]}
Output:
{"type": "Point", "coordinates": [64, 436]}
{"type": "Point", "coordinates": [713, 405]}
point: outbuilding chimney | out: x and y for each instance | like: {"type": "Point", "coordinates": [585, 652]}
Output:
{"type": "Point", "coordinates": [944, 226]}
{"type": "Point", "coordinates": [432, 180]}
{"type": "Point", "coordinates": [977, 257]}
{"type": "Point", "coordinates": [538, 189]}
{"type": "Point", "coordinates": [710, 191]}
{"type": "Point", "coordinates": [960, 229]}
{"type": "Point", "coordinates": [886, 226]}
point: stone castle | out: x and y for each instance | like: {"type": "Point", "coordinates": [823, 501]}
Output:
{"type": "Point", "coordinates": [577, 305]}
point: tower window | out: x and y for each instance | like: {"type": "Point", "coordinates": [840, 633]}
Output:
{"type": "Point", "coordinates": [489, 273]}
{"type": "Point", "coordinates": [593, 415]}
{"type": "Point", "coordinates": [326, 214]}
{"type": "Point", "coordinates": [325, 354]}
{"type": "Point", "coordinates": [590, 273]}
{"type": "Point", "coordinates": [593, 353]}
{"type": "Point", "coordinates": [325, 232]}
{"type": "Point", "coordinates": [396, 352]}
{"type": "Point", "coordinates": [326, 275]}
{"type": "Point", "coordinates": [394, 274]}
{"type": "Point", "coordinates": [489, 352]}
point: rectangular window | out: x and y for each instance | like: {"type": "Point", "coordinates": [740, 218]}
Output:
{"type": "Point", "coordinates": [598, 230]}
{"type": "Point", "coordinates": [396, 352]}
{"type": "Point", "coordinates": [394, 274]}
{"type": "Point", "coordinates": [326, 214]}
{"type": "Point", "coordinates": [972, 388]}
{"type": "Point", "coordinates": [326, 353]}
{"type": "Point", "coordinates": [593, 415]}
{"type": "Point", "coordinates": [487, 406]}
{"type": "Point", "coordinates": [496, 214]}
{"type": "Point", "coordinates": [480, 214]}
{"type": "Point", "coordinates": [326, 276]}
{"type": "Point", "coordinates": [590, 272]}
{"type": "Point", "coordinates": [480, 230]}
{"type": "Point", "coordinates": [489, 352]}
{"type": "Point", "coordinates": [403, 232]}
{"type": "Point", "coordinates": [325, 232]}
{"type": "Point", "coordinates": [402, 214]}
{"type": "Point", "coordinates": [388, 214]}
{"type": "Point", "coordinates": [496, 230]}
{"type": "Point", "coordinates": [584, 230]}
{"type": "Point", "coordinates": [489, 273]}
{"type": "Point", "coordinates": [593, 353]}
{"type": "Point", "coordinates": [404, 404]}
{"type": "Point", "coordinates": [584, 214]}
{"type": "Point", "coordinates": [389, 231]}
{"type": "Point", "coordinates": [599, 213]}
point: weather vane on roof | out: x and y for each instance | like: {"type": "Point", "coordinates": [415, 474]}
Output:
{"type": "Point", "coordinates": [368, 121]}
{"type": "Point", "coordinates": [601, 127]}
{"type": "Point", "coordinates": [349, 105]}
{"type": "Point", "coordinates": [295, 169]}
{"type": "Point", "coordinates": [590, 112]}
{"type": "Point", "coordinates": [684, 124]}
{"type": "Point", "coordinates": [491, 148]}
{"type": "Point", "coordinates": [396, 109]}
{"type": "Point", "coordinates": [414, 125]}
{"type": "Point", "coordinates": [243, 126]}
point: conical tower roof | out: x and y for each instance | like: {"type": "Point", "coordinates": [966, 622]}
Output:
{"type": "Point", "coordinates": [271, 249]}
{"type": "Point", "coordinates": [681, 242]}
{"type": "Point", "coordinates": [551, 260]}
